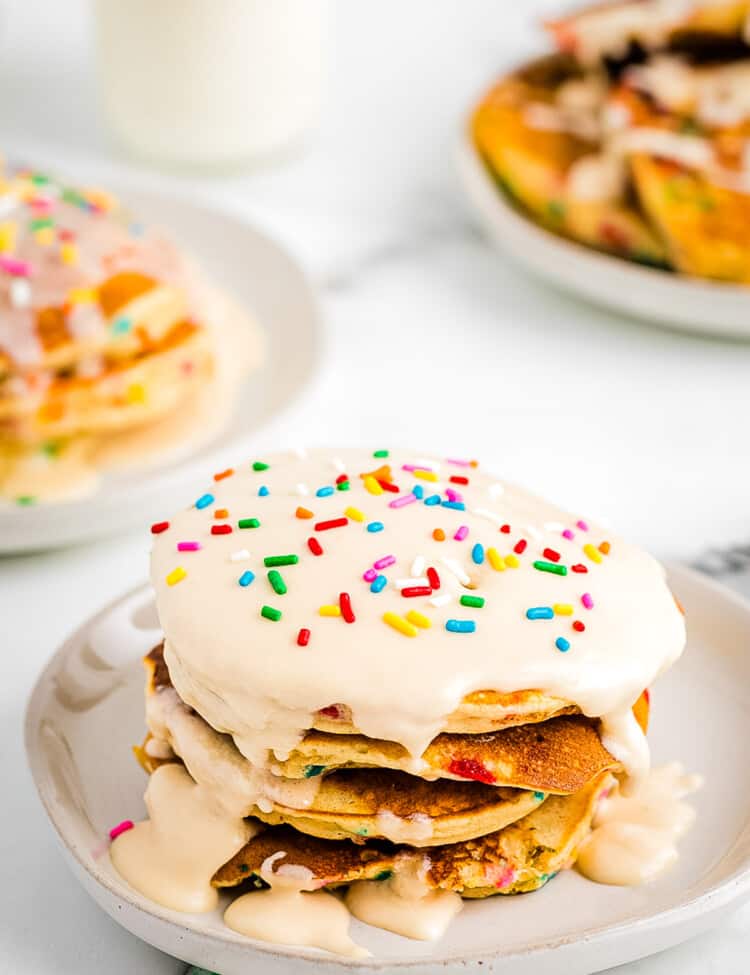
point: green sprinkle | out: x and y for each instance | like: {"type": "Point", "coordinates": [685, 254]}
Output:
{"type": "Point", "coordinates": [269, 613]}
{"type": "Point", "coordinates": [277, 583]}
{"type": "Point", "coordinates": [558, 570]}
{"type": "Point", "coordinates": [556, 210]}
{"type": "Point", "coordinates": [476, 601]}
{"type": "Point", "coordinates": [344, 486]}
{"type": "Point", "coordinates": [539, 796]}
{"type": "Point", "coordinates": [121, 326]}
{"type": "Point", "coordinates": [248, 523]}
{"type": "Point", "coordinates": [271, 560]}
{"type": "Point", "coordinates": [380, 453]}
{"type": "Point", "coordinates": [40, 223]}
{"type": "Point", "coordinates": [25, 500]}
{"type": "Point", "coordinates": [51, 448]}
{"type": "Point", "coordinates": [383, 875]}
{"type": "Point", "coordinates": [363, 831]}
{"type": "Point", "coordinates": [310, 771]}
{"type": "Point", "coordinates": [258, 465]}
{"type": "Point", "coordinates": [39, 179]}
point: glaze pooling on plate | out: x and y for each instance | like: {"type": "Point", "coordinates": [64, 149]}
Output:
{"type": "Point", "coordinates": [535, 598]}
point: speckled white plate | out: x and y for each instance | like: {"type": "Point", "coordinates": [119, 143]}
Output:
{"type": "Point", "coordinates": [693, 304]}
{"type": "Point", "coordinates": [87, 710]}
{"type": "Point", "coordinates": [273, 288]}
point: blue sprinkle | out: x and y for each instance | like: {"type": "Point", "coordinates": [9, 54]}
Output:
{"type": "Point", "coordinates": [263, 491]}
{"type": "Point", "coordinates": [205, 500]}
{"type": "Point", "coordinates": [378, 584]}
{"type": "Point", "coordinates": [121, 326]}
{"type": "Point", "coordinates": [324, 492]}
{"type": "Point", "coordinates": [477, 553]}
{"type": "Point", "coordinates": [456, 505]}
{"type": "Point", "coordinates": [460, 626]}
{"type": "Point", "coordinates": [375, 526]}
{"type": "Point", "coordinates": [540, 613]}
{"type": "Point", "coordinates": [562, 644]}
{"type": "Point", "coordinates": [418, 491]}
{"type": "Point", "coordinates": [433, 499]}
{"type": "Point", "coordinates": [246, 578]}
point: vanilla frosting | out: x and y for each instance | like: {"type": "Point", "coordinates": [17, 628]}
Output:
{"type": "Point", "coordinates": [608, 627]}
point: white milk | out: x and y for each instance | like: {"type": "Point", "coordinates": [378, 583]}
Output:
{"type": "Point", "coordinates": [210, 82]}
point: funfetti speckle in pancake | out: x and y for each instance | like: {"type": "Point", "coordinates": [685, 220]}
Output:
{"type": "Point", "coordinates": [555, 604]}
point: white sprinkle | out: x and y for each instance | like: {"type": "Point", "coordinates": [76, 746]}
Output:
{"type": "Point", "coordinates": [240, 556]}
{"type": "Point", "coordinates": [534, 532]}
{"type": "Point", "coordinates": [411, 581]}
{"type": "Point", "coordinates": [554, 526]}
{"type": "Point", "coordinates": [442, 600]}
{"type": "Point", "coordinates": [452, 565]}
{"type": "Point", "coordinates": [417, 566]}
{"type": "Point", "coordinates": [434, 465]}
{"type": "Point", "coordinates": [489, 515]}
{"type": "Point", "coordinates": [338, 464]}
{"type": "Point", "coordinates": [303, 489]}
{"type": "Point", "coordinates": [496, 490]}
{"type": "Point", "coordinates": [20, 293]}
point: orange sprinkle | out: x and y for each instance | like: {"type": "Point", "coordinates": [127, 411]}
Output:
{"type": "Point", "coordinates": [439, 535]}
{"type": "Point", "coordinates": [304, 513]}
{"type": "Point", "coordinates": [678, 604]}
{"type": "Point", "coordinates": [221, 513]}
{"type": "Point", "coordinates": [222, 474]}
{"type": "Point", "coordinates": [604, 548]}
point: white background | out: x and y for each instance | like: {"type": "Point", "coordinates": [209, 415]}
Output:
{"type": "Point", "coordinates": [432, 339]}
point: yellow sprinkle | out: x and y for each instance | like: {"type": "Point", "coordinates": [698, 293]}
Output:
{"type": "Point", "coordinates": [176, 575]}
{"type": "Point", "coordinates": [562, 609]}
{"type": "Point", "coordinates": [419, 619]}
{"type": "Point", "coordinates": [400, 624]}
{"type": "Point", "coordinates": [372, 485]}
{"type": "Point", "coordinates": [593, 553]}
{"type": "Point", "coordinates": [496, 560]}
{"type": "Point", "coordinates": [8, 232]}
{"type": "Point", "coordinates": [355, 514]}
{"type": "Point", "coordinates": [426, 475]}
{"type": "Point", "coordinates": [44, 236]}
{"type": "Point", "coordinates": [330, 610]}
{"type": "Point", "coordinates": [68, 253]}
{"type": "Point", "coordinates": [511, 561]}
{"type": "Point", "coordinates": [135, 393]}
{"type": "Point", "coordinates": [82, 296]}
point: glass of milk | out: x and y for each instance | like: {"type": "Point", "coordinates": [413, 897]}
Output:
{"type": "Point", "coordinates": [210, 83]}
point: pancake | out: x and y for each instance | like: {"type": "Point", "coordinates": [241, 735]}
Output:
{"type": "Point", "coordinates": [516, 859]}
{"type": "Point", "coordinates": [535, 129]}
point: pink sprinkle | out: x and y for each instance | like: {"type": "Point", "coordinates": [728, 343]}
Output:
{"type": "Point", "coordinates": [415, 467]}
{"type": "Point", "coordinates": [122, 827]}
{"type": "Point", "coordinates": [458, 462]}
{"type": "Point", "coordinates": [370, 575]}
{"type": "Point", "coordinates": [19, 269]}
{"type": "Point", "coordinates": [582, 525]}
{"type": "Point", "coordinates": [453, 495]}
{"type": "Point", "coordinates": [568, 534]}
{"type": "Point", "coordinates": [384, 562]}
{"type": "Point", "coordinates": [188, 546]}
{"type": "Point", "coordinates": [461, 533]}
{"type": "Point", "coordinates": [402, 500]}
{"type": "Point", "coordinates": [587, 601]}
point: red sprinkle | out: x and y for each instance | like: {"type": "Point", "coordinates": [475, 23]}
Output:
{"type": "Point", "coordinates": [345, 604]}
{"type": "Point", "coordinates": [159, 527]}
{"type": "Point", "coordinates": [458, 479]}
{"type": "Point", "coordinates": [505, 529]}
{"type": "Point", "coordinates": [470, 768]}
{"type": "Point", "coordinates": [388, 486]}
{"type": "Point", "coordinates": [579, 568]}
{"type": "Point", "coordinates": [520, 547]}
{"type": "Point", "coordinates": [315, 547]}
{"type": "Point", "coordinates": [303, 637]}
{"type": "Point", "coordinates": [222, 474]}
{"type": "Point", "coordinates": [122, 827]}
{"type": "Point", "coordinates": [578, 626]}
{"type": "Point", "coordinates": [341, 478]}
{"type": "Point", "coordinates": [411, 591]}
{"type": "Point", "coordinates": [551, 555]}
{"type": "Point", "coordinates": [221, 529]}
{"type": "Point", "coordinates": [433, 578]}
{"type": "Point", "coordinates": [323, 526]}
{"type": "Point", "coordinates": [332, 711]}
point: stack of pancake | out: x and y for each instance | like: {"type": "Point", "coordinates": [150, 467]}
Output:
{"type": "Point", "coordinates": [632, 138]}
{"type": "Point", "coordinates": [449, 709]}
{"type": "Point", "coordinates": [102, 329]}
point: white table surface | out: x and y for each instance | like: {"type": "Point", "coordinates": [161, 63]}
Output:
{"type": "Point", "coordinates": [432, 339]}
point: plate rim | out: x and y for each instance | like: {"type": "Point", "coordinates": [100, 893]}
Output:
{"type": "Point", "coordinates": [733, 890]}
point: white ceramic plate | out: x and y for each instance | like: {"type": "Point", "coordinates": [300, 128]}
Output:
{"type": "Point", "coordinates": [266, 281]}
{"type": "Point", "coordinates": [713, 308]}
{"type": "Point", "coordinates": [87, 710]}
